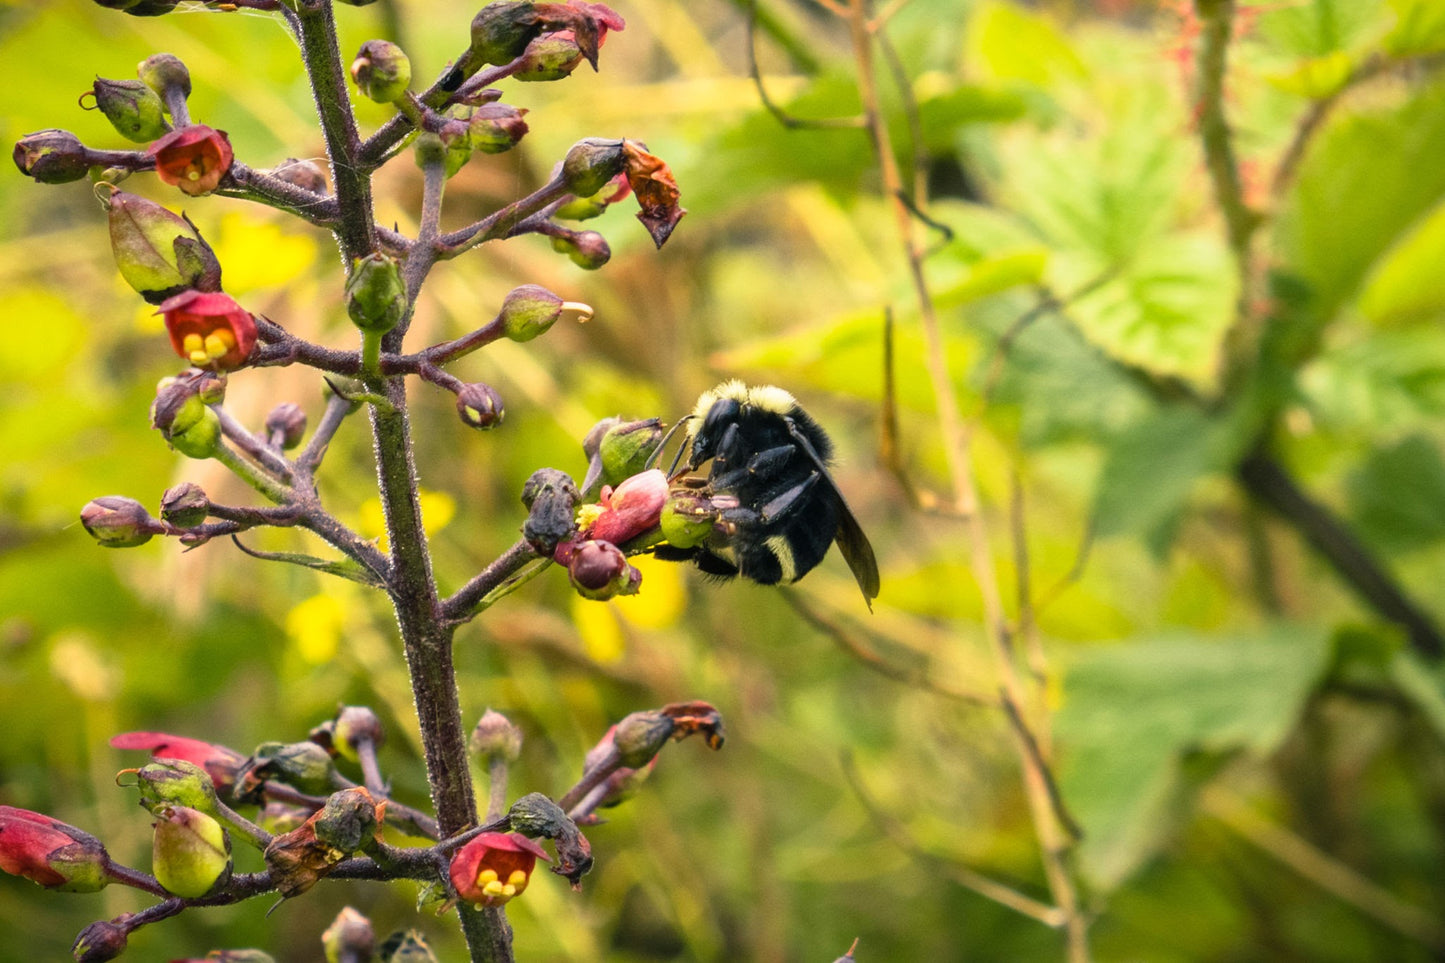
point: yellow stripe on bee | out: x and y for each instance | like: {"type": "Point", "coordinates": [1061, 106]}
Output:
{"type": "Point", "coordinates": [783, 552]}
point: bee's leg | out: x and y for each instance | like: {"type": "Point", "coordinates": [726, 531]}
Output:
{"type": "Point", "coordinates": [761, 464]}
{"type": "Point", "coordinates": [727, 447]}
{"type": "Point", "coordinates": [785, 503]}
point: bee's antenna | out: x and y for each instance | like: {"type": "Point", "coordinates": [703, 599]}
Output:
{"type": "Point", "coordinates": [662, 446]}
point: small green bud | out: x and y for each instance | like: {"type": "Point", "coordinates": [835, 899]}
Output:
{"type": "Point", "coordinates": [552, 56]}
{"type": "Point", "coordinates": [348, 821]}
{"type": "Point", "coordinates": [625, 449]}
{"type": "Point", "coordinates": [640, 736]}
{"type": "Point", "coordinates": [52, 156]}
{"type": "Point", "coordinates": [175, 782]}
{"type": "Point", "coordinates": [452, 149]}
{"type": "Point", "coordinates": [528, 311]}
{"type": "Point", "coordinates": [303, 765]}
{"type": "Point", "coordinates": [132, 108]}
{"type": "Point", "coordinates": [376, 293]}
{"type": "Point", "coordinates": [349, 937]}
{"type": "Point", "coordinates": [496, 128]}
{"type": "Point", "coordinates": [161, 72]}
{"type": "Point", "coordinates": [160, 254]}
{"type": "Point", "coordinates": [353, 726]}
{"type": "Point", "coordinates": [186, 421]}
{"type": "Point", "coordinates": [479, 406]}
{"type": "Point", "coordinates": [587, 249]}
{"type": "Point", "coordinates": [495, 735]}
{"type": "Point", "coordinates": [591, 163]}
{"type": "Point", "coordinates": [502, 30]}
{"type": "Point", "coordinates": [687, 519]}
{"type": "Point", "coordinates": [118, 522]}
{"type": "Point", "coordinates": [185, 505]}
{"type": "Point", "coordinates": [191, 852]}
{"type": "Point", "coordinates": [381, 71]}
{"type": "Point", "coordinates": [584, 208]}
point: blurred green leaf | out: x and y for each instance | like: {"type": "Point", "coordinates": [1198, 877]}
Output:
{"type": "Point", "coordinates": [1016, 44]}
{"type": "Point", "coordinates": [1315, 28]}
{"type": "Point", "coordinates": [1404, 285]}
{"type": "Point", "coordinates": [1398, 496]}
{"type": "Point", "coordinates": [1419, 28]}
{"type": "Point", "coordinates": [1132, 713]}
{"type": "Point", "coordinates": [1422, 684]}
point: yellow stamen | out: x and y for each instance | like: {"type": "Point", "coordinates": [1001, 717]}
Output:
{"type": "Point", "coordinates": [493, 888]}
{"type": "Point", "coordinates": [517, 878]}
{"type": "Point", "coordinates": [509, 891]}
{"type": "Point", "coordinates": [200, 358]}
{"type": "Point", "coordinates": [216, 345]}
{"type": "Point", "coordinates": [192, 343]}
{"type": "Point", "coordinates": [487, 876]}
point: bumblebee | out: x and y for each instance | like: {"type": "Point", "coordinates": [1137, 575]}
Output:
{"type": "Point", "coordinates": [774, 507]}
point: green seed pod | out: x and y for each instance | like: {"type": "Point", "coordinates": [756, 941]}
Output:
{"type": "Point", "coordinates": [160, 254]}
{"type": "Point", "coordinates": [132, 108]}
{"type": "Point", "coordinates": [191, 852]}
{"type": "Point", "coordinates": [502, 30]}
{"type": "Point", "coordinates": [591, 163]}
{"type": "Point", "coordinates": [375, 293]}
{"type": "Point", "coordinates": [382, 71]}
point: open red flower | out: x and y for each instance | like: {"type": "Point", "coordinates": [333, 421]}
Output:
{"type": "Point", "coordinates": [220, 762]}
{"type": "Point", "coordinates": [209, 329]}
{"type": "Point", "coordinates": [193, 158]}
{"type": "Point", "coordinates": [633, 507]}
{"type": "Point", "coordinates": [52, 853]}
{"type": "Point", "coordinates": [493, 868]}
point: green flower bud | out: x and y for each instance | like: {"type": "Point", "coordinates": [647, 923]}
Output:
{"type": "Point", "coordinates": [303, 765]}
{"type": "Point", "coordinates": [99, 942]}
{"type": "Point", "coordinates": [625, 449]}
{"type": "Point", "coordinates": [353, 726]}
{"type": "Point", "coordinates": [552, 56]}
{"type": "Point", "coordinates": [185, 505]}
{"type": "Point", "coordinates": [349, 937]}
{"type": "Point", "coordinates": [591, 163]}
{"type": "Point", "coordinates": [185, 421]}
{"type": "Point", "coordinates": [132, 108]}
{"type": "Point", "coordinates": [495, 735]}
{"type": "Point", "coordinates": [191, 852]}
{"type": "Point", "coordinates": [530, 310]}
{"type": "Point", "coordinates": [640, 736]}
{"type": "Point", "coordinates": [348, 821]}
{"type": "Point", "coordinates": [52, 156]}
{"type": "Point", "coordinates": [687, 519]}
{"type": "Point", "coordinates": [587, 249]}
{"type": "Point", "coordinates": [161, 72]}
{"type": "Point", "coordinates": [496, 128]}
{"type": "Point", "coordinates": [452, 149]}
{"type": "Point", "coordinates": [175, 782]}
{"type": "Point", "coordinates": [375, 293]}
{"type": "Point", "coordinates": [381, 71]}
{"type": "Point", "coordinates": [502, 30]}
{"type": "Point", "coordinates": [479, 406]}
{"type": "Point", "coordinates": [118, 522]}
{"type": "Point", "coordinates": [160, 254]}
{"type": "Point", "coordinates": [584, 208]}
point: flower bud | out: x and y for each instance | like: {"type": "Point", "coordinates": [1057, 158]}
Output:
{"type": "Point", "coordinates": [286, 425]}
{"type": "Point", "coordinates": [586, 208]}
{"type": "Point", "coordinates": [185, 505]}
{"type": "Point", "coordinates": [132, 108]}
{"type": "Point", "coordinates": [381, 71]}
{"type": "Point", "coordinates": [349, 820]}
{"type": "Point", "coordinates": [502, 30]}
{"type": "Point", "coordinates": [220, 762]}
{"type": "Point", "coordinates": [551, 498]}
{"type": "Point", "coordinates": [687, 518]}
{"type": "Point", "coordinates": [164, 71]}
{"type": "Point", "coordinates": [209, 329]}
{"type": "Point", "coordinates": [100, 941]}
{"type": "Point", "coordinates": [640, 736]}
{"type": "Point", "coordinates": [452, 148]}
{"type": "Point", "coordinates": [625, 449]}
{"type": "Point", "coordinates": [587, 249]}
{"type": "Point", "coordinates": [528, 311]}
{"type": "Point", "coordinates": [375, 293]}
{"type": "Point", "coordinates": [118, 522]}
{"type": "Point", "coordinates": [406, 947]}
{"type": "Point", "coordinates": [51, 853]}
{"type": "Point", "coordinates": [496, 128]}
{"type": "Point", "coordinates": [191, 853]}
{"type": "Point", "coordinates": [537, 816]}
{"type": "Point", "coordinates": [159, 253]}
{"type": "Point", "coordinates": [355, 725]}
{"type": "Point", "coordinates": [552, 56]}
{"type": "Point", "coordinates": [302, 765]}
{"type": "Point", "coordinates": [598, 570]}
{"type": "Point", "coordinates": [349, 937]}
{"type": "Point", "coordinates": [479, 406]}
{"type": "Point", "coordinates": [495, 735]}
{"type": "Point", "coordinates": [590, 164]}
{"type": "Point", "coordinates": [493, 868]}
{"type": "Point", "coordinates": [185, 421]}
{"type": "Point", "coordinates": [302, 174]}
{"type": "Point", "coordinates": [52, 156]}
{"type": "Point", "coordinates": [193, 158]}
{"type": "Point", "coordinates": [175, 782]}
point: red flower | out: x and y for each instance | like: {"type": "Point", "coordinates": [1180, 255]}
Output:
{"type": "Point", "coordinates": [209, 329]}
{"type": "Point", "coordinates": [633, 507]}
{"type": "Point", "coordinates": [220, 763]}
{"type": "Point", "coordinates": [494, 867]}
{"type": "Point", "coordinates": [49, 852]}
{"type": "Point", "coordinates": [193, 158]}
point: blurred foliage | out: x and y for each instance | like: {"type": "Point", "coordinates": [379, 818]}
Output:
{"type": "Point", "coordinates": [1223, 702]}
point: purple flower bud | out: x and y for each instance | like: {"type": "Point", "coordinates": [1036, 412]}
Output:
{"type": "Point", "coordinates": [301, 173]}
{"type": "Point", "coordinates": [286, 425]}
{"type": "Point", "coordinates": [52, 156]}
{"type": "Point", "coordinates": [100, 941]}
{"type": "Point", "coordinates": [353, 726]}
{"type": "Point", "coordinates": [598, 570]}
{"type": "Point", "coordinates": [479, 406]}
{"type": "Point", "coordinates": [587, 249]}
{"type": "Point", "coordinates": [495, 128]}
{"type": "Point", "coordinates": [495, 735]}
{"type": "Point", "coordinates": [118, 522]}
{"type": "Point", "coordinates": [349, 937]}
{"type": "Point", "coordinates": [185, 505]}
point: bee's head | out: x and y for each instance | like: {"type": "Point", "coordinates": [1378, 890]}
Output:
{"type": "Point", "coordinates": [709, 428]}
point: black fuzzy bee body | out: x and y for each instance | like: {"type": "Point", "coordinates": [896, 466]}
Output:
{"type": "Point", "coordinates": [778, 506]}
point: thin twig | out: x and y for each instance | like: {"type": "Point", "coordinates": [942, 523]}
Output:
{"type": "Point", "coordinates": [783, 117]}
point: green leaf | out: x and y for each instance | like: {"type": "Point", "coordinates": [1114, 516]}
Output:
{"type": "Point", "coordinates": [1405, 283]}
{"type": "Point", "coordinates": [1133, 712]}
{"type": "Point", "coordinates": [1423, 685]}
{"type": "Point", "coordinates": [344, 568]}
{"type": "Point", "coordinates": [1014, 44]}
{"type": "Point", "coordinates": [1419, 28]}
{"type": "Point", "coordinates": [1316, 28]}
{"type": "Point", "coordinates": [1398, 495]}
{"type": "Point", "coordinates": [1365, 182]}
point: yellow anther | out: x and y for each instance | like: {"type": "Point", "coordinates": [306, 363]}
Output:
{"type": "Point", "coordinates": [494, 888]}
{"type": "Point", "coordinates": [509, 891]}
{"type": "Point", "coordinates": [192, 343]}
{"type": "Point", "coordinates": [517, 878]}
{"type": "Point", "coordinates": [487, 876]}
{"type": "Point", "coordinates": [216, 345]}
{"type": "Point", "coordinates": [200, 358]}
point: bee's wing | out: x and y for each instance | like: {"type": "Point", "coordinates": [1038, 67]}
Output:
{"type": "Point", "coordinates": [856, 549]}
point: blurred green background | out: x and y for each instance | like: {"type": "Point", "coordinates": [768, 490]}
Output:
{"type": "Point", "coordinates": [1256, 759]}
